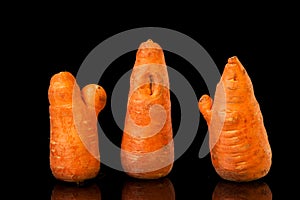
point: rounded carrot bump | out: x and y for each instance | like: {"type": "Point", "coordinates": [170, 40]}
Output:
{"type": "Point", "coordinates": [205, 104]}
{"type": "Point", "coordinates": [74, 149]}
{"type": "Point", "coordinates": [239, 145]}
{"type": "Point", "coordinates": [147, 149]}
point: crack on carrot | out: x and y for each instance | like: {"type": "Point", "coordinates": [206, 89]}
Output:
{"type": "Point", "coordinates": [235, 77]}
{"type": "Point", "coordinates": [151, 82]}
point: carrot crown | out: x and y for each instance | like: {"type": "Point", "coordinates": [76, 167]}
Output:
{"type": "Point", "coordinates": [149, 52]}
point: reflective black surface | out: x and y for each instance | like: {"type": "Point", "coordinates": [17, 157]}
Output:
{"type": "Point", "coordinates": [250, 190]}
{"type": "Point", "coordinates": [186, 181]}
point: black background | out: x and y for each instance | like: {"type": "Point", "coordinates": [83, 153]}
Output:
{"type": "Point", "coordinates": [52, 44]}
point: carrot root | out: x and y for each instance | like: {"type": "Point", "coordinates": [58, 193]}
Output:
{"type": "Point", "coordinates": [74, 149]}
{"type": "Point", "coordinates": [147, 149]}
{"type": "Point", "coordinates": [239, 146]}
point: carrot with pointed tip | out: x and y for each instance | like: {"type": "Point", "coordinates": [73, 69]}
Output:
{"type": "Point", "coordinates": [147, 149]}
{"type": "Point", "coordinates": [74, 149]}
{"type": "Point", "coordinates": [239, 145]}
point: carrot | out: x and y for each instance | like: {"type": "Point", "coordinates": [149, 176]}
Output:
{"type": "Point", "coordinates": [148, 189]}
{"type": "Point", "coordinates": [74, 150]}
{"type": "Point", "coordinates": [239, 145]}
{"type": "Point", "coordinates": [247, 190]}
{"type": "Point", "coordinates": [147, 149]}
{"type": "Point", "coordinates": [65, 192]}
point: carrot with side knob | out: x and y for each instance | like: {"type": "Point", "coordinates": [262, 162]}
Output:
{"type": "Point", "coordinates": [74, 148]}
{"type": "Point", "coordinates": [239, 145]}
{"type": "Point", "coordinates": [147, 148]}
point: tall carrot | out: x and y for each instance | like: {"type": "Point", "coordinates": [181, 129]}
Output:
{"type": "Point", "coordinates": [74, 150]}
{"type": "Point", "coordinates": [147, 149]}
{"type": "Point", "coordinates": [239, 145]}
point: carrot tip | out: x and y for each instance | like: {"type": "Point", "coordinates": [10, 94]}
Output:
{"type": "Point", "coordinates": [62, 77]}
{"type": "Point", "coordinates": [233, 60]}
{"type": "Point", "coordinates": [204, 97]}
{"type": "Point", "coordinates": [149, 44]}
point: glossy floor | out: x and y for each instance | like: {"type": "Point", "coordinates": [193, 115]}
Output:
{"type": "Point", "coordinates": [117, 185]}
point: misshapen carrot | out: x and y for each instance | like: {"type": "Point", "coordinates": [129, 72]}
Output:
{"type": "Point", "coordinates": [239, 145]}
{"type": "Point", "coordinates": [147, 149]}
{"type": "Point", "coordinates": [74, 149]}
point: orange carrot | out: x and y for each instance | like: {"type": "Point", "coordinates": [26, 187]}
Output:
{"type": "Point", "coordinates": [247, 190]}
{"type": "Point", "coordinates": [66, 192]}
{"type": "Point", "coordinates": [148, 189]}
{"type": "Point", "coordinates": [147, 142]}
{"type": "Point", "coordinates": [74, 150]}
{"type": "Point", "coordinates": [239, 145]}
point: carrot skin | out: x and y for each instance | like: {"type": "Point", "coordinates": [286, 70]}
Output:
{"type": "Point", "coordinates": [239, 145]}
{"type": "Point", "coordinates": [74, 149]}
{"type": "Point", "coordinates": [205, 104]}
{"type": "Point", "coordinates": [147, 149]}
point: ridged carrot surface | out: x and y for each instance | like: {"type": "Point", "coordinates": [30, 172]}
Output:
{"type": "Point", "coordinates": [147, 142]}
{"type": "Point", "coordinates": [239, 145]}
{"type": "Point", "coordinates": [74, 148]}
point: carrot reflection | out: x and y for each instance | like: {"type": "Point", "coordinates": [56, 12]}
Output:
{"type": "Point", "coordinates": [68, 191]}
{"type": "Point", "coordinates": [148, 189]}
{"type": "Point", "coordinates": [245, 190]}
